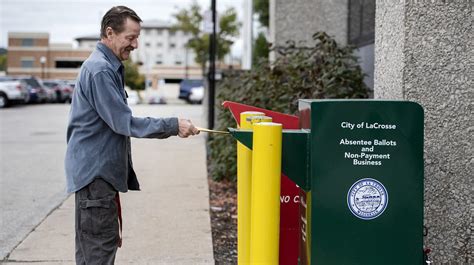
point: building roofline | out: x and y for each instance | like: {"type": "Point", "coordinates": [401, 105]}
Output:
{"type": "Point", "coordinates": [156, 24]}
{"type": "Point", "coordinates": [32, 35]}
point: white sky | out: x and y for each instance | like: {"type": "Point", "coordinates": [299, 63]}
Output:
{"type": "Point", "coordinates": [65, 20]}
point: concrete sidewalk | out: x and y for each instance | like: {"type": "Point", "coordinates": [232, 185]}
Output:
{"type": "Point", "coordinates": [167, 222]}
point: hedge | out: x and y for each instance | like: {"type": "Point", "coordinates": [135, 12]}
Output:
{"type": "Point", "coordinates": [324, 70]}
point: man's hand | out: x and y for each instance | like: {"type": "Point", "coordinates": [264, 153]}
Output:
{"type": "Point", "coordinates": [186, 128]}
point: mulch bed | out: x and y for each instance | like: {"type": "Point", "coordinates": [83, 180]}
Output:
{"type": "Point", "coordinates": [223, 203]}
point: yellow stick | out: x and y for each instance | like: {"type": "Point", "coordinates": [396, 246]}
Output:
{"type": "Point", "coordinates": [265, 208]}
{"type": "Point", "coordinates": [210, 131]}
{"type": "Point", "coordinates": [244, 171]}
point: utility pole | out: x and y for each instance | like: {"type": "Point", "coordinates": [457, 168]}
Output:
{"type": "Point", "coordinates": [186, 66]}
{"type": "Point", "coordinates": [248, 35]}
{"type": "Point", "coordinates": [212, 67]}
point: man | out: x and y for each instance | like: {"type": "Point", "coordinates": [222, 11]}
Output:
{"type": "Point", "coordinates": [98, 159]}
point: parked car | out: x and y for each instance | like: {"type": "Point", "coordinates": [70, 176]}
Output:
{"type": "Point", "coordinates": [185, 89]}
{"type": "Point", "coordinates": [71, 83]}
{"type": "Point", "coordinates": [13, 91]}
{"type": "Point", "coordinates": [61, 88]}
{"type": "Point", "coordinates": [36, 90]}
{"type": "Point", "coordinates": [196, 96]}
{"type": "Point", "coordinates": [155, 98]}
{"type": "Point", "coordinates": [133, 97]}
{"type": "Point", "coordinates": [5, 78]}
{"type": "Point", "coordinates": [51, 94]}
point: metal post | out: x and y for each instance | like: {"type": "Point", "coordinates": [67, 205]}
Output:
{"type": "Point", "coordinates": [265, 209]}
{"type": "Point", "coordinates": [247, 35]}
{"type": "Point", "coordinates": [212, 67]}
{"type": "Point", "coordinates": [186, 67]}
{"type": "Point", "coordinates": [244, 187]}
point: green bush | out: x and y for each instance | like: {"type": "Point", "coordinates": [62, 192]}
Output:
{"type": "Point", "coordinates": [324, 70]}
{"type": "Point", "coordinates": [133, 78]}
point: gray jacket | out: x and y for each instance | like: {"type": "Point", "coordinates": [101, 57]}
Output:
{"type": "Point", "coordinates": [101, 124]}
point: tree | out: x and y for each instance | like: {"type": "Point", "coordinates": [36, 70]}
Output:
{"type": "Point", "coordinates": [261, 7]}
{"type": "Point", "coordinates": [324, 69]}
{"type": "Point", "coordinates": [261, 45]}
{"type": "Point", "coordinates": [3, 62]}
{"type": "Point", "coordinates": [189, 21]}
{"type": "Point", "coordinates": [133, 78]}
{"type": "Point", "coordinates": [260, 49]}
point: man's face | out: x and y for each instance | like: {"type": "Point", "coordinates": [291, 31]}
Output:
{"type": "Point", "coordinates": [126, 41]}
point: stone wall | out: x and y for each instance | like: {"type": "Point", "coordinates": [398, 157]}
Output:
{"type": "Point", "coordinates": [424, 53]}
{"type": "Point", "coordinates": [298, 20]}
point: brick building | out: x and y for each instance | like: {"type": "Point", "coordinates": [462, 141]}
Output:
{"type": "Point", "coordinates": [161, 54]}
{"type": "Point", "coordinates": [33, 54]}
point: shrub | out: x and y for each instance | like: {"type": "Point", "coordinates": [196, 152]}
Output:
{"type": "Point", "coordinates": [324, 70]}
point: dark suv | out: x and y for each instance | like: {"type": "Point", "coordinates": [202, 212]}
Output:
{"type": "Point", "coordinates": [185, 88]}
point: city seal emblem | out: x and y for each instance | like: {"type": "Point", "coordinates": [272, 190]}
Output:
{"type": "Point", "coordinates": [367, 199]}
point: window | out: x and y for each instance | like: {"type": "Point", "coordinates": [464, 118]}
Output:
{"type": "Point", "coordinates": [27, 42]}
{"type": "Point", "coordinates": [68, 64]}
{"type": "Point", "coordinates": [172, 32]}
{"type": "Point", "coordinates": [27, 62]}
{"type": "Point", "coordinates": [361, 22]}
{"type": "Point", "coordinates": [159, 44]}
{"type": "Point", "coordinates": [147, 44]}
{"type": "Point", "coordinates": [172, 45]}
{"type": "Point", "coordinates": [362, 35]}
{"type": "Point", "coordinates": [159, 31]}
{"type": "Point", "coordinates": [178, 60]}
{"type": "Point", "coordinates": [159, 59]}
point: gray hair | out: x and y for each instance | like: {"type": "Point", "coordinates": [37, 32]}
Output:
{"type": "Point", "coordinates": [115, 18]}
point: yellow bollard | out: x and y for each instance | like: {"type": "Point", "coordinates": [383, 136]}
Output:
{"type": "Point", "coordinates": [256, 119]}
{"type": "Point", "coordinates": [265, 208]}
{"type": "Point", "coordinates": [244, 172]}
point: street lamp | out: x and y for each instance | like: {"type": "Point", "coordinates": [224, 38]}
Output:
{"type": "Point", "coordinates": [43, 63]}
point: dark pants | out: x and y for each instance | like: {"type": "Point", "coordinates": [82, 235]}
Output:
{"type": "Point", "coordinates": [97, 227]}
